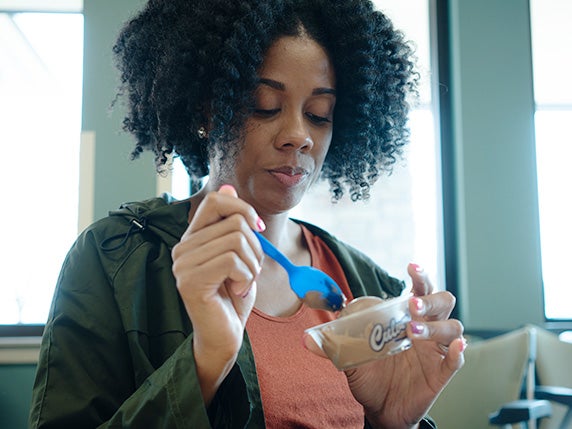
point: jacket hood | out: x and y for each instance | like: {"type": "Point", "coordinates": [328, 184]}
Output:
{"type": "Point", "coordinates": [164, 216]}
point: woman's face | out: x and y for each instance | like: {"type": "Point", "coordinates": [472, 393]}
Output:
{"type": "Point", "coordinates": [289, 134]}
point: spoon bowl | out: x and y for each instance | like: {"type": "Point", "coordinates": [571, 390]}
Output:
{"type": "Point", "coordinates": [314, 287]}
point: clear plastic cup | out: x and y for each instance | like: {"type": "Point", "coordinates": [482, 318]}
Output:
{"type": "Point", "coordinates": [366, 334]}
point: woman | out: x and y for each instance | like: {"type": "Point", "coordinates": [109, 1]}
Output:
{"type": "Point", "coordinates": [166, 313]}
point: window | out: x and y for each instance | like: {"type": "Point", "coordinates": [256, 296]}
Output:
{"type": "Point", "coordinates": [402, 220]}
{"type": "Point", "coordinates": [40, 111]}
{"type": "Point", "coordinates": [552, 66]}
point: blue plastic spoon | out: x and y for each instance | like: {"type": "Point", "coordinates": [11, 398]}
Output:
{"type": "Point", "coordinates": [314, 287]}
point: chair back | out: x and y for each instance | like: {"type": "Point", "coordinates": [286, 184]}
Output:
{"type": "Point", "coordinates": [553, 368]}
{"type": "Point", "coordinates": [494, 373]}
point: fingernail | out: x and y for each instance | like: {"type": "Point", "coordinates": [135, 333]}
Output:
{"type": "Point", "coordinates": [416, 267]}
{"type": "Point", "coordinates": [419, 305]}
{"type": "Point", "coordinates": [417, 328]}
{"type": "Point", "coordinates": [463, 345]}
{"type": "Point", "coordinates": [260, 224]}
{"type": "Point", "coordinates": [227, 187]}
{"type": "Point", "coordinates": [244, 295]}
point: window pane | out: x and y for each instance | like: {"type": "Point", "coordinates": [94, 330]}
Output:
{"type": "Point", "coordinates": [552, 64]}
{"type": "Point", "coordinates": [554, 152]}
{"type": "Point", "coordinates": [551, 48]}
{"type": "Point", "coordinates": [40, 110]}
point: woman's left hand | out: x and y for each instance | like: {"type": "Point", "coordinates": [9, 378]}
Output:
{"type": "Point", "coordinates": [397, 392]}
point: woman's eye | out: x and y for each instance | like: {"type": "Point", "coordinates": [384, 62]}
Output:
{"type": "Point", "coordinates": [265, 113]}
{"type": "Point", "coordinates": [318, 119]}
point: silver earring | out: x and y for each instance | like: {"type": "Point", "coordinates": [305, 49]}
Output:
{"type": "Point", "coordinates": [202, 132]}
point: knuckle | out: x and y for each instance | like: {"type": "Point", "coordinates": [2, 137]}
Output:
{"type": "Point", "coordinates": [236, 267]}
{"type": "Point", "coordinates": [453, 299]}
{"type": "Point", "coordinates": [234, 262]}
{"type": "Point", "coordinates": [236, 221]}
{"type": "Point", "coordinates": [176, 251]}
{"type": "Point", "coordinates": [449, 297]}
{"type": "Point", "coordinates": [236, 240]}
{"type": "Point", "coordinates": [457, 327]}
{"type": "Point", "coordinates": [210, 199]}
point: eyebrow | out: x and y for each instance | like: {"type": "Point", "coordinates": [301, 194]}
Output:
{"type": "Point", "coordinates": [281, 87]}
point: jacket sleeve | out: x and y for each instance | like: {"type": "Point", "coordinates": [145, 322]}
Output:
{"type": "Point", "coordinates": [86, 377]}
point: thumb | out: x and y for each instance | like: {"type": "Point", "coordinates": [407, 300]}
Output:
{"type": "Point", "coordinates": [455, 357]}
{"type": "Point", "coordinates": [311, 345]}
{"type": "Point", "coordinates": [230, 191]}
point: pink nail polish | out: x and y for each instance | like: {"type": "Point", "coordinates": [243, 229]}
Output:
{"type": "Point", "coordinates": [417, 328]}
{"type": "Point", "coordinates": [260, 224]}
{"type": "Point", "coordinates": [463, 345]}
{"type": "Point", "coordinates": [418, 304]}
{"type": "Point", "coordinates": [226, 187]}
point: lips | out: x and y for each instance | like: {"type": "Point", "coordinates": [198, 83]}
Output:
{"type": "Point", "coordinates": [289, 176]}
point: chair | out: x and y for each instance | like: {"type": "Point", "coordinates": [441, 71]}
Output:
{"type": "Point", "coordinates": [554, 378]}
{"type": "Point", "coordinates": [526, 412]}
{"type": "Point", "coordinates": [494, 372]}
{"type": "Point", "coordinates": [553, 369]}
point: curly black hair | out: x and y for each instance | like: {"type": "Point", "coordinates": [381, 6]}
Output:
{"type": "Point", "coordinates": [186, 63]}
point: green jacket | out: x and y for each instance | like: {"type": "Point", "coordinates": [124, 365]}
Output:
{"type": "Point", "coordinates": [117, 351]}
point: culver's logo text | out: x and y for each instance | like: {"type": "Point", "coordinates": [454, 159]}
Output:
{"type": "Point", "coordinates": [381, 335]}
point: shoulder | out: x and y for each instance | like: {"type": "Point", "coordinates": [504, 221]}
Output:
{"type": "Point", "coordinates": [364, 276]}
{"type": "Point", "coordinates": [162, 217]}
{"type": "Point", "coordinates": [132, 227]}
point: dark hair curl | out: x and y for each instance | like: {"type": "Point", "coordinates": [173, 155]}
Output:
{"type": "Point", "coordinates": [184, 63]}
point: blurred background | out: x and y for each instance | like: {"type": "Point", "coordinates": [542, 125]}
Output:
{"type": "Point", "coordinates": [481, 198]}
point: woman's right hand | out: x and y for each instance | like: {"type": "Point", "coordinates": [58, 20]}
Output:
{"type": "Point", "coordinates": [215, 266]}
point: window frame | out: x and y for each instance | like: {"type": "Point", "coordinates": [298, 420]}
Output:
{"type": "Point", "coordinates": [441, 64]}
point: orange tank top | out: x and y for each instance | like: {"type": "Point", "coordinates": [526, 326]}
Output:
{"type": "Point", "coordinates": [298, 388]}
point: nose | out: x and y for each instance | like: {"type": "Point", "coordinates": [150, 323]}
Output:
{"type": "Point", "coordinates": [294, 134]}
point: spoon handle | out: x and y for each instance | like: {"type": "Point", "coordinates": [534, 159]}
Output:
{"type": "Point", "coordinates": [274, 253]}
